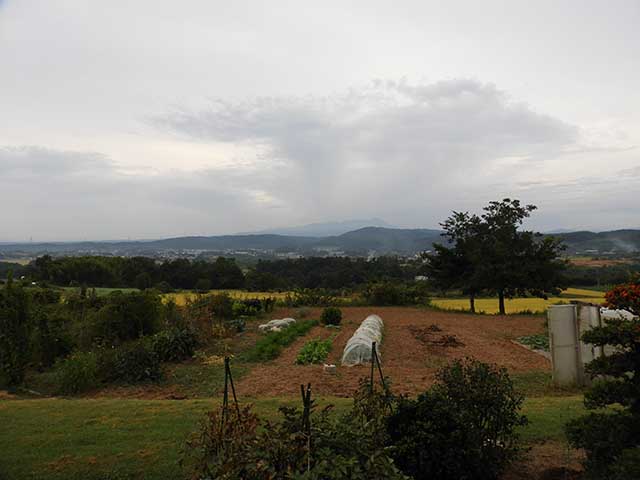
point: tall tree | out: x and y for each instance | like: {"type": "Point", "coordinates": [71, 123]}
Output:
{"type": "Point", "coordinates": [490, 253]}
{"type": "Point", "coordinates": [454, 267]}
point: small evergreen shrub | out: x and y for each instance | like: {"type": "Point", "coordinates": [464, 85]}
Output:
{"type": "Point", "coordinates": [314, 351]}
{"type": "Point", "coordinates": [331, 316]}
{"type": "Point", "coordinates": [136, 362]}
{"type": "Point", "coordinates": [174, 345]}
{"type": "Point", "coordinates": [463, 427]}
{"type": "Point", "coordinates": [77, 373]}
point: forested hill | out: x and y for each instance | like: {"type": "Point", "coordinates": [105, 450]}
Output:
{"type": "Point", "coordinates": [378, 240]}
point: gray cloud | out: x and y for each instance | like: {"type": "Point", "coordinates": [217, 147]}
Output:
{"type": "Point", "coordinates": [409, 153]}
{"type": "Point", "coordinates": [384, 149]}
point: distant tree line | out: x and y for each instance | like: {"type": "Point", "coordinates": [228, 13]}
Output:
{"type": "Point", "coordinates": [223, 273]}
{"type": "Point", "coordinates": [136, 272]}
{"type": "Point", "coordinates": [329, 273]}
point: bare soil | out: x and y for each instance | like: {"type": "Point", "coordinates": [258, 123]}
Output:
{"type": "Point", "coordinates": [547, 461]}
{"type": "Point", "coordinates": [410, 362]}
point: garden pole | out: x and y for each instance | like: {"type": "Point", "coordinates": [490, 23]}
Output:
{"type": "Point", "coordinates": [373, 349]}
{"type": "Point", "coordinates": [233, 388]}
{"type": "Point", "coordinates": [384, 385]}
{"type": "Point", "coordinates": [225, 397]}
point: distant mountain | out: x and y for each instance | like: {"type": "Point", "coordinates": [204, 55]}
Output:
{"type": "Point", "coordinates": [363, 241]}
{"type": "Point", "coordinates": [615, 241]}
{"type": "Point", "coordinates": [324, 229]}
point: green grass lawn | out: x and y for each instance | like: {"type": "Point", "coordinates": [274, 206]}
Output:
{"type": "Point", "coordinates": [122, 438]}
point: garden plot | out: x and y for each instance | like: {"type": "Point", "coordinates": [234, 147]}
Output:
{"type": "Point", "coordinates": [407, 360]}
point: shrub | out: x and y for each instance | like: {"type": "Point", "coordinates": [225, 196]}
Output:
{"type": "Point", "coordinates": [331, 316]}
{"type": "Point", "coordinates": [163, 287]}
{"type": "Point", "coordinates": [14, 306]}
{"type": "Point", "coordinates": [312, 297]}
{"type": "Point", "coordinates": [238, 446]}
{"type": "Point", "coordinates": [270, 346]}
{"type": "Point", "coordinates": [77, 373]}
{"type": "Point", "coordinates": [314, 351]}
{"type": "Point", "coordinates": [463, 427]}
{"type": "Point", "coordinates": [605, 437]}
{"type": "Point", "coordinates": [626, 296]}
{"type": "Point", "coordinates": [174, 345]}
{"type": "Point", "coordinates": [136, 362]}
{"type": "Point", "coordinates": [387, 293]}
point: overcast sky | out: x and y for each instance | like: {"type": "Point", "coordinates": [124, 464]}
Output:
{"type": "Point", "coordinates": [151, 118]}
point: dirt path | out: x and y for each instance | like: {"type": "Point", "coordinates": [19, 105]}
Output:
{"type": "Point", "coordinates": [410, 363]}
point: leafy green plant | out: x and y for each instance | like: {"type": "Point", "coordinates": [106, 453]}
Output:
{"type": "Point", "coordinates": [77, 373]}
{"type": "Point", "coordinates": [331, 316]}
{"type": "Point", "coordinates": [137, 362]}
{"type": "Point", "coordinates": [463, 427]}
{"type": "Point", "coordinates": [269, 347]}
{"type": "Point", "coordinates": [174, 345]}
{"type": "Point", "coordinates": [314, 351]}
{"type": "Point", "coordinates": [538, 342]}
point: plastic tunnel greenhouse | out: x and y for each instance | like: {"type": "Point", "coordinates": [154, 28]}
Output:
{"type": "Point", "coordinates": [358, 348]}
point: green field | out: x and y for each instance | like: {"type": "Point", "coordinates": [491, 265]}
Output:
{"type": "Point", "coordinates": [125, 438]}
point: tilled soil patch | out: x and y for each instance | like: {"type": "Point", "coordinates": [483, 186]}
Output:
{"type": "Point", "coordinates": [407, 360]}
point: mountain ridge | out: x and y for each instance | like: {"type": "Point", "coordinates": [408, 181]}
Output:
{"type": "Point", "coordinates": [362, 241]}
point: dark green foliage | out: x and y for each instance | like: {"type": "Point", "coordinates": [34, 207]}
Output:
{"type": "Point", "coordinates": [270, 346]}
{"type": "Point", "coordinates": [50, 336]}
{"type": "Point", "coordinates": [125, 316]}
{"type": "Point", "coordinates": [174, 344]}
{"type": "Point", "coordinates": [606, 436]}
{"type": "Point", "coordinates": [138, 272]}
{"type": "Point", "coordinates": [331, 316]}
{"type": "Point", "coordinates": [463, 427]}
{"type": "Point", "coordinates": [330, 273]}
{"type": "Point", "coordinates": [14, 334]}
{"type": "Point", "coordinates": [163, 287]}
{"type": "Point", "coordinates": [77, 373]}
{"type": "Point", "coordinates": [627, 465]}
{"type": "Point", "coordinates": [136, 362]}
{"type": "Point", "coordinates": [314, 351]}
{"type": "Point", "coordinates": [203, 285]}
{"type": "Point", "coordinates": [387, 293]}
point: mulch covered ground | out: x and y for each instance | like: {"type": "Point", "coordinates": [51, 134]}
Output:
{"type": "Point", "coordinates": [411, 351]}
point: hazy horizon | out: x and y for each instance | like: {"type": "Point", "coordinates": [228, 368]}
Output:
{"type": "Point", "coordinates": [149, 120]}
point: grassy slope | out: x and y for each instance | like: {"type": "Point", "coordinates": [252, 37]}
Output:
{"type": "Point", "coordinates": [74, 439]}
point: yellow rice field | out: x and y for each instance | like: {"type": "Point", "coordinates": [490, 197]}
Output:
{"type": "Point", "coordinates": [181, 297]}
{"type": "Point", "coordinates": [490, 305]}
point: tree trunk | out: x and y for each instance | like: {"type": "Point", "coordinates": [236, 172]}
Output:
{"type": "Point", "coordinates": [472, 302]}
{"type": "Point", "coordinates": [501, 302]}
